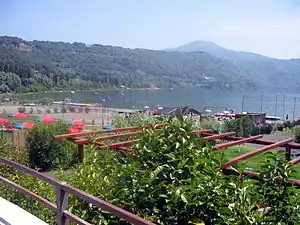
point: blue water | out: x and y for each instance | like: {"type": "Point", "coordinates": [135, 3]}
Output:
{"type": "Point", "coordinates": [217, 100]}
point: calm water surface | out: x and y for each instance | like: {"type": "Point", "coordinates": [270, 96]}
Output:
{"type": "Point", "coordinates": [217, 100]}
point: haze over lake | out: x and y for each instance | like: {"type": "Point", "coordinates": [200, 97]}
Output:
{"type": "Point", "coordinates": [216, 100]}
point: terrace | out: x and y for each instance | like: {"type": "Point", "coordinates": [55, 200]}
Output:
{"type": "Point", "coordinates": [100, 139]}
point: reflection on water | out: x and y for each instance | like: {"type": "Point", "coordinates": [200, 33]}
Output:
{"type": "Point", "coordinates": [254, 101]}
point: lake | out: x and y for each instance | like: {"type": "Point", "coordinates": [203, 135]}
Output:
{"type": "Point", "coordinates": [217, 100]}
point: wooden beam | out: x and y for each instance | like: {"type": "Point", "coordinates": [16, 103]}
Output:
{"type": "Point", "coordinates": [200, 131]}
{"type": "Point", "coordinates": [116, 136]}
{"type": "Point", "coordinates": [124, 149]}
{"type": "Point", "coordinates": [114, 130]}
{"type": "Point", "coordinates": [241, 141]}
{"type": "Point", "coordinates": [119, 144]}
{"type": "Point", "coordinates": [80, 153]}
{"type": "Point", "coordinates": [262, 142]}
{"type": "Point", "coordinates": [256, 152]}
{"type": "Point", "coordinates": [295, 160]}
{"type": "Point", "coordinates": [218, 136]}
{"type": "Point", "coordinates": [254, 175]}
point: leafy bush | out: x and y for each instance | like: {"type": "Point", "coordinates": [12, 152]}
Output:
{"type": "Point", "coordinates": [136, 119]}
{"type": "Point", "coordinates": [31, 111]}
{"type": "Point", "coordinates": [80, 109]}
{"type": "Point", "coordinates": [243, 126]}
{"type": "Point", "coordinates": [71, 109]}
{"type": "Point", "coordinates": [55, 110]}
{"type": "Point", "coordinates": [21, 109]}
{"type": "Point", "coordinates": [212, 124]}
{"type": "Point", "coordinates": [287, 124]}
{"type": "Point", "coordinates": [279, 126]}
{"type": "Point", "coordinates": [38, 111]}
{"type": "Point", "coordinates": [297, 134]}
{"type": "Point", "coordinates": [45, 152]}
{"type": "Point", "coordinates": [267, 128]}
{"type": "Point", "coordinates": [63, 109]}
{"type": "Point", "coordinates": [48, 111]}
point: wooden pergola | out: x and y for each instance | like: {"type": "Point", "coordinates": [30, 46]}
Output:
{"type": "Point", "coordinates": [99, 137]}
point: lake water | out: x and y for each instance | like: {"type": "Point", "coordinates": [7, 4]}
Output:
{"type": "Point", "coordinates": [217, 100]}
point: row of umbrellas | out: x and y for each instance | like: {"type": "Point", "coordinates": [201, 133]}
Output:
{"type": "Point", "coordinates": [77, 124]}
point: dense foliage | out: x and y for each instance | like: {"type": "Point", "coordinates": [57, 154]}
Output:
{"type": "Point", "coordinates": [297, 133]}
{"type": "Point", "coordinates": [136, 119]}
{"type": "Point", "coordinates": [41, 65]}
{"type": "Point", "coordinates": [173, 177]}
{"type": "Point", "coordinates": [45, 152]}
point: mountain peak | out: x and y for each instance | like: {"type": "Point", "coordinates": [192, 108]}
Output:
{"type": "Point", "coordinates": [197, 45]}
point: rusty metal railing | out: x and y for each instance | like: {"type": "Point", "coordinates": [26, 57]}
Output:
{"type": "Point", "coordinates": [62, 192]}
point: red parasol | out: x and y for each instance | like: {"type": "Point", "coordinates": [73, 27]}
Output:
{"type": "Point", "coordinates": [78, 123]}
{"type": "Point", "coordinates": [74, 130]}
{"type": "Point", "coordinates": [28, 125]}
{"type": "Point", "coordinates": [47, 119]}
{"type": "Point", "coordinates": [4, 121]}
{"type": "Point", "coordinates": [20, 115]}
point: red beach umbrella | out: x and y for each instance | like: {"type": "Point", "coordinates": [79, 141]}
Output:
{"type": "Point", "coordinates": [20, 115]}
{"type": "Point", "coordinates": [78, 123]}
{"type": "Point", "coordinates": [47, 119]}
{"type": "Point", "coordinates": [28, 125]}
{"type": "Point", "coordinates": [74, 130]}
{"type": "Point", "coordinates": [4, 121]}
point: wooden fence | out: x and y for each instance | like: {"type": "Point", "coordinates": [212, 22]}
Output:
{"type": "Point", "coordinates": [63, 215]}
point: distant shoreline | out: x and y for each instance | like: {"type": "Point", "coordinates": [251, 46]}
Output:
{"type": "Point", "coordinates": [89, 90]}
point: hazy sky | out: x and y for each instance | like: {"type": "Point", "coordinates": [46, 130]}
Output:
{"type": "Point", "coordinates": [269, 27]}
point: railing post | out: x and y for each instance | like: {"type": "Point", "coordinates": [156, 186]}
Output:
{"type": "Point", "coordinates": [288, 152]}
{"type": "Point", "coordinates": [80, 153]}
{"type": "Point", "coordinates": [62, 205]}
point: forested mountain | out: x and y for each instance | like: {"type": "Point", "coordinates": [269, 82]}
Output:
{"type": "Point", "coordinates": [41, 65]}
{"type": "Point", "coordinates": [264, 71]}
{"type": "Point", "coordinates": [36, 65]}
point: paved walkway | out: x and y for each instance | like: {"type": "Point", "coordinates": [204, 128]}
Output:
{"type": "Point", "coordinates": [11, 214]}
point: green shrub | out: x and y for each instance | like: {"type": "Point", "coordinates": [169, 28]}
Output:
{"type": "Point", "coordinates": [136, 119]}
{"type": "Point", "coordinates": [279, 126]}
{"type": "Point", "coordinates": [212, 124]}
{"type": "Point", "coordinates": [48, 111]}
{"type": "Point", "coordinates": [63, 109]}
{"type": "Point", "coordinates": [31, 111]}
{"type": "Point", "coordinates": [21, 109]}
{"type": "Point", "coordinates": [266, 128]}
{"type": "Point", "coordinates": [297, 134]}
{"type": "Point", "coordinates": [45, 152]}
{"type": "Point", "coordinates": [243, 126]}
{"type": "Point", "coordinates": [287, 124]}
{"type": "Point", "coordinates": [55, 110]}
{"type": "Point", "coordinates": [71, 109]}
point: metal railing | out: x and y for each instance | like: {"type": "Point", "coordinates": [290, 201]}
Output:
{"type": "Point", "coordinates": [63, 216]}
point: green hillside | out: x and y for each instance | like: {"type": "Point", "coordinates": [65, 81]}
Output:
{"type": "Point", "coordinates": [39, 65]}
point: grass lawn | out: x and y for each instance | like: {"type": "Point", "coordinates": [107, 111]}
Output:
{"type": "Point", "coordinates": [254, 162]}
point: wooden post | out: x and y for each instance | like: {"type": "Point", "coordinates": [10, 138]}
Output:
{"type": "Point", "coordinates": [62, 205]}
{"type": "Point", "coordinates": [288, 152]}
{"type": "Point", "coordinates": [80, 153]}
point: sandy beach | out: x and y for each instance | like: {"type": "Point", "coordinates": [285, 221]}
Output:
{"type": "Point", "coordinates": [101, 116]}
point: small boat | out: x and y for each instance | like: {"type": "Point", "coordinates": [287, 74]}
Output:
{"type": "Point", "coordinates": [122, 94]}
{"type": "Point", "coordinates": [72, 92]}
